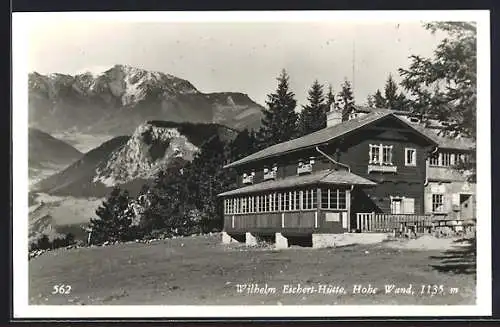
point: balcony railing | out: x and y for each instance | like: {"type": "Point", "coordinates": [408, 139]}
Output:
{"type": "Point", "coordinates": [304, 168]}
{"type": "Point", "coordinates": [382, 168]}
{"type": "Point", "coordinates": [372, 222]}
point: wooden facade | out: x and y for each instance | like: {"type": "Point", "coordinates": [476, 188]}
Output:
{"type": "Point", "coordinates": [389, 153]}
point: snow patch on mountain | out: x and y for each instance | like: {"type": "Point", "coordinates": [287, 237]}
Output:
{"type": "Point", "coordinates": [149, 150]}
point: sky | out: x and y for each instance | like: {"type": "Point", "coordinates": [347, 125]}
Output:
{"type": "Point", "coordinates": [236, 56]}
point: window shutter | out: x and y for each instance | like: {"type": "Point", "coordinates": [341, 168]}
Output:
{"type": "Point", "coordinates": [390, 155]}
{"type": "Point", "coordinates": [370, 153]}
{"type": "Point", "coordinates": [447, 203]}
{"type": "Point", "coordinates": [409, 205]}
{"type": "Point", "coordinates": [428, 202]}
{"type": "Point", "coordinates": [456, 199]}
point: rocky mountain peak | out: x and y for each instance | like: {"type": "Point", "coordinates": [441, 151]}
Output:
{"type": "Point", "coordinates": [150, 149]}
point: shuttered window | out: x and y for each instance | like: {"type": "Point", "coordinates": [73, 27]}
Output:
{"type": "Point", "coordinates": [438, 203]}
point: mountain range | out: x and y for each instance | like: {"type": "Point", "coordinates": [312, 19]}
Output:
{"type": "Point", "coordinates": [47, 154]}
{"type": "Point", "coordinates": [131, 161]}
{"type": "Point", "coordinates": [119, 99]}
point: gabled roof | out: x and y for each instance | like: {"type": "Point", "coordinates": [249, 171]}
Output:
{"type": "Point", "coordinates": [333, 177]}
{"type": "Point", "coordinates": [446, 142]}
{"type": "Point", "coordinates": [432, 129]}
{"type": "Point", "coordinates": [324, 135]}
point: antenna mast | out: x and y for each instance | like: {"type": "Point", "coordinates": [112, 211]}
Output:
{"type": "Point", "coordinates": [353, 62]}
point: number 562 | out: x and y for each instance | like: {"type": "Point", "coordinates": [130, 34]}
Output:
{"type": "Point", "coordinates": [61, 289]}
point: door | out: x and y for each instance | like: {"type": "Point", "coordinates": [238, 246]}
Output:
{"type": "Point", "coordinates": [466, 206]}
{"type": "Point", "coordinates": [396, 206]}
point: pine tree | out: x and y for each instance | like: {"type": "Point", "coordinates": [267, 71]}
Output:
{"type": "Point", "coordinates": [279, 123]}
{"type": "Point", "coordinates": [244, 144]}
{"type": "Point", "coordinates": [313, 115]}
{"type": "Point", "coordinates": [391, 93]}
{"type": "Point", "coordinates": [346, 99]}
{"type": "Point", "coordinates": [207, 178]}
{"type": "Point", "coordinates": [330, 98]}
{"type": "Point", "coordinates": [394, 99]}
{"type": "Point", "coordinates": [114, 220]}
{"type": "Point", "coordinates": [379, 100]}
{"type": "Point", "coordinates": [167, 197]}
{"type": "Point", "coordinates": [370, 102]}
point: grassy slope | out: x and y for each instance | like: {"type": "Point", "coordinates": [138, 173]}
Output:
{"type": "Point", "coordinates": [203, 271]}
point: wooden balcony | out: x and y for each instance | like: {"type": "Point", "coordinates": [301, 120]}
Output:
{"type": "Point", "coordinates": [382, 168]}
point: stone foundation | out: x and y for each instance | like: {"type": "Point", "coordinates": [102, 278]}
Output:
{"type": "Point", "coordinates": [281, 241]}
{"type": "Point", "coordinates": [334, 240]}
{"type": "Point", "coordinates": [250, 239]}
{"type": "Point", "coordinates": [227, 239]}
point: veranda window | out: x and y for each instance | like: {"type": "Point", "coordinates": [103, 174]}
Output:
{"type": "Point", "coordinates": [334, 198]}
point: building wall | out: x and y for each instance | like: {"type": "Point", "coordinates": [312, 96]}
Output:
{"type": "Point", "coordinates": [451, 191]}
{"type": "Point", "coordinates": [287, 165]}
{"type": "Point", "coordinates": [407, 181]}
{"type": "Point", "coordinates": [295, 223]}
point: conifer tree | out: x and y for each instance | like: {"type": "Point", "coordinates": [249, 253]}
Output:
{"type": "Point", "coordinates": [244, 144]}
{"type": "Point", "coordinates": [370, 102]}
{"type": "Point", "coordinates": [313, 115]}
{"type": "Point", "coordinates": [330, 98]}
{"type": "Point", "coordinates": [445, 85]}
{"type": "Point", "coordinates": [114, 220]}
{"type": "Point", "coordinates": [279, 123]}
{"type": "Point", "coordinates": [167, 198]}
{"type": "Point", "coordinates": [379, 100]}
{"type": "Point", "coordinates": [207, 178]}
{"type": "Point", "coordinates": [345, 99]}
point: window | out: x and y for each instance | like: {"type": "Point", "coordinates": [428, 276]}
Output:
{"type": "Point", "coordinates": [341, 199]}
{"type": "Point", "coordinates": [402, 205]}
{"type": "Point", "coordinates": [324, 198]}
{"type": "Point", "coordinates": [396, 206]}
{"type": "Point", "coordinates": [387, 154]}
{"type": "Point", "coordinates": [297, 200]}
{"type": "Point", "coordinates": [250, 204]}
{"type": "Point", "coordinates": [308, 199]}
{"type": "Point", "coordinates": [380, 154]}
{"type": "Point", "coordinates": [445, 159]}
{"type": "Point", "coordinates": [334, 198]}
{"type": "Point", "coordinates": [285, 204]}
{"type": "Point", "coordinates": [410, 157]}
{"type": "Point", "coordinates": [437, 203]}
{"type": "Point", "coordinates": [374, 154]}
{"type": "Point", "coordinates": [243, 205]}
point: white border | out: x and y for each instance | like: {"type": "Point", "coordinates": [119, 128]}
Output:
{"type": "Point", "coordinates": [20, 26]}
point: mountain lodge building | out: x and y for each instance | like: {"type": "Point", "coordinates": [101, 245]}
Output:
{"type": "Point", "coordinates": [371, 172]}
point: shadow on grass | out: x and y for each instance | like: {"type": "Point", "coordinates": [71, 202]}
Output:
{"type": "Point", "coordinates": [459, 260]}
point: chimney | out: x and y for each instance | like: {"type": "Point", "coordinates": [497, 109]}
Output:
{"type": "Point", "coordinates": [333, 117]}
